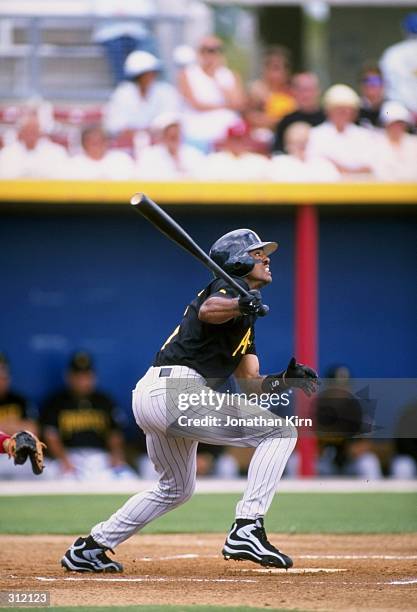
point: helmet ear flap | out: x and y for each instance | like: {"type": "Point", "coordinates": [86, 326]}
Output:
{"type": "Point", "coordinates": [240, 265]}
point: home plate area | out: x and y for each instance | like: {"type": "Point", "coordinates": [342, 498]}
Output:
{"type": "Point", "coordinates": [349, 572]}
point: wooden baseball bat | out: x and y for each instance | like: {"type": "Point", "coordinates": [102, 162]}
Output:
{"type": "Point", "coordinates": [165, 224]}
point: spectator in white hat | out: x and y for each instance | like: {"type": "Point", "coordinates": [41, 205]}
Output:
{"type": "Point", "coordinates": [348, 146]}
{"type": "Point", "coordinates": [294, 167]}
{"type": "Point", "coordinates": [395, 157]}
{"type": "Point", "coordinates": [169, 158]}
{"type": "Point", "coordinates": [136, 102]}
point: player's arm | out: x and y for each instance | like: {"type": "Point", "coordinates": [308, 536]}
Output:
{"type": "Point", "coordinates": [295, 375]}
{"type": "Point", "coordinates": [4, 442]}
{"type": "Point", "coordinates": [218, 309]}
{"type": "Point", "coordinates": [115, 444]}
{"type": "Point", "coordinates": [57, 449]}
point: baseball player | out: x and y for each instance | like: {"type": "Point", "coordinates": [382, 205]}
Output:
{"type": "Point", "coordinates": [215, 339]}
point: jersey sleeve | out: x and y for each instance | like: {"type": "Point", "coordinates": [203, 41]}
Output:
{"type": "Point", "coordinates": [220, 288]}
{"type": "Point", "coordinates": [251, 350]}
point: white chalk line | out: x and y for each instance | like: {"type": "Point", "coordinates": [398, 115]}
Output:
{"type": "Point", "coordinates": [295, 570]}
{"type": "Point", "coordinates": [396, 582]}
{"type": "Point", "coordinates": [311, 557]}
{"type": "Point", "coordinates": [141, 579]}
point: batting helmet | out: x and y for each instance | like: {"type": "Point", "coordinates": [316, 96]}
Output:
{"type": "Point", "coordinates": [231, 251]}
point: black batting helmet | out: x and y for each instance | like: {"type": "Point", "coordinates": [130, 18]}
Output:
{"type": "Point", "coordinates": [231, 251]}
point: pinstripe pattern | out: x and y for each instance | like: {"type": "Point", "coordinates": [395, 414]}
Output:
{"type": "Point", "coordinates": [172, 450]}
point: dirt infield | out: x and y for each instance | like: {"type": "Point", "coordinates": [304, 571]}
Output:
{"type": "Point", "coordinates": [371, 572]}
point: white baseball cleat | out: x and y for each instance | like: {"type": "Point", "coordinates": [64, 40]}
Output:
{"type": "Point", "coordinates": [247, 541]}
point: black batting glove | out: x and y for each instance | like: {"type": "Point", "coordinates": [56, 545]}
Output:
{"type": "Point", "coordinates": [296, 375]}
{"type": "Point", "coordinates": [252, 304]}
{"type": "Point", "coordinates": [301, 376]}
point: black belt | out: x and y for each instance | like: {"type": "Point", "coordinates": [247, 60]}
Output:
{"type": "Point", "coordinates": [165, 372]}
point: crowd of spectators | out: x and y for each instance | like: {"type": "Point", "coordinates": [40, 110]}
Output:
{"type": "Point", "coordinates": [211, 126]}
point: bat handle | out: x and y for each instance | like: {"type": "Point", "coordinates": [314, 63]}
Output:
{"type": "Point", "coordinates": [264, 310]}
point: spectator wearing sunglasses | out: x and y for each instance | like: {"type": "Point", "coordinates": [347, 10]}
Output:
{"type": "Point", "coordinates": [372, 96]}
{"type": "Point", "coordinates": [212, 93]}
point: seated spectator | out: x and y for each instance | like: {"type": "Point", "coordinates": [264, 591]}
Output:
{"type": "Point", "coordinates": [80, 428]}
{"type": "Point", "coordinates": [270, 97]}
{"type": "Point", "coordinates": [348, 146]}
{"type": "Point", "coordinates": [169, 158]}
{"type": "Point", "coordinates": [136, 102]}
{"type": "Point", "coordinates": [306, 90]}
{"type": "Point", "coordinates": [32, 155]}
{"type": "Point", "coordinates": [372, 96]}
{"type": "Point", "coordinates": [295, 167]}
{"type": "Point", "coordinates": [395, 157]}
{"type": "Point", "coordinates": [404, 464]}
{"type": "Point", "coordinates": [15, 415]}
{"type": "Point", "coordinates": [213, 94]}
{"type": "Point", "coordinates": [399, 66]}
{"type": "Point", "coordinates": [96, 161]}
{"type": "Point", "coordinates": [235, 161]}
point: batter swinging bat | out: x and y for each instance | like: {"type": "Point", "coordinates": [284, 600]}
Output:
{"type": "Point", "coordinates": [162, 221]}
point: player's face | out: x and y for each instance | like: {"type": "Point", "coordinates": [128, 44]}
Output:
{"type": "Point", "coordinates": [261, 274]}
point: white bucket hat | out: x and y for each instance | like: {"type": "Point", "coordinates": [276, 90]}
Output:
{"type": "Point", "coordinates": [341, 95]}
{"type": "Point", "coordinates": [139, 62]}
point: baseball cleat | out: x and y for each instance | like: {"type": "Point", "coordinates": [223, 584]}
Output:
{"type": "Point", "coordinates": [247, 541]}
{"type": "Point", "coordinates": [85, 555]}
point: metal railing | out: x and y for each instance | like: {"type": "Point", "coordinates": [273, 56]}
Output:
{"type": "Point", "coordinates": [32, 67]}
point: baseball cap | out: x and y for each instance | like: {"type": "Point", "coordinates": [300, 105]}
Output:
{"type": "Point", "coordinates": [81, 361]}
{"type": "Point", "coordinates": [240, 129]}
{"type": "Point", "coordinates": [139, 62]}
{"type": "Point", "coordinates": [392, 111]}
{"type": "Point", "coordinates": [341, 95]}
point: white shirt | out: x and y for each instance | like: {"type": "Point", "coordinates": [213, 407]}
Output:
{"type": "Point", "coordinates": [156, 163]}
{"type": "Point", "coordinates": [395, 162]}
{"type": "Point", "coordinates": [399, 68]}
{"type": "Point", "coordinates": [115, 165]}
{"type": "Point", "coordinates": [224, 166]}
{"type": "Point", "coordinates": [128, 109]}
{"type": "Point", "coordinates": [352, 148]}
{"type": "Point", "coordinates": [290, 169]}
{"type": "Point", "coordinates": [46, 160]}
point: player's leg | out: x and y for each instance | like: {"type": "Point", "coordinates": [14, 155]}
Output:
{"type": "Point", "coordinates": [247, 538]}
{"type": "Point", "coordinates": [175, 460]}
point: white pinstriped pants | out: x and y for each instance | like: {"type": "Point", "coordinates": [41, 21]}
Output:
{"type": "Point", "coordinates": [174, 457]}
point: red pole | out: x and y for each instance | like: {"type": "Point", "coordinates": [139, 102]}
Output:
{"type": "Point", "coordinates": [306, 307]}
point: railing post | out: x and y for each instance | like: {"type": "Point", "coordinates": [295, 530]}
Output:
{"type": "Point", "coordinates": [306, 321]}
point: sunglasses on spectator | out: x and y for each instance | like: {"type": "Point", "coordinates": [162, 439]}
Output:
{"type": "Point", "coordinates": [211, 49]}
{"type": "Point", "coordinates": [372, 80]}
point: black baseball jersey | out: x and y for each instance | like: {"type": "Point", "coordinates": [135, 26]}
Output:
{"type": "Point", "coordinates": [82, 422]}
{"type": "Point", "coordinates": [214, 351]}
{"type": "Point", "coordinates": [13, 406]}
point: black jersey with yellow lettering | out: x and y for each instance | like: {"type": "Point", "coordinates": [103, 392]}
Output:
{"type": "Point", "coordinates": [213, 350]}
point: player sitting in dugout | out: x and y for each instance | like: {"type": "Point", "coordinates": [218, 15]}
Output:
{"type": "Point", "coordinates": [81, 429]}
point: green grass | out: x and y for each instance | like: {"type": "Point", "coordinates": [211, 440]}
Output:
{"type": "Point", "coordinates": [289, 513]}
